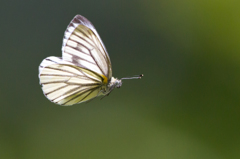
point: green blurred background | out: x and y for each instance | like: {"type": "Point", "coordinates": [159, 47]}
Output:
{"type": "Point", "coordinates": [185, 107]}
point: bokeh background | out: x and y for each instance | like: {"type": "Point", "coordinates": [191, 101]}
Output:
{"type": "Point", "coordinates": [185, 107]}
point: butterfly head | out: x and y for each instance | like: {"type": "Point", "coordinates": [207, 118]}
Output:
{"type": "Point", "coordinates": [118, 83]}
{"type": "Point", "coordinates": [115, 83]}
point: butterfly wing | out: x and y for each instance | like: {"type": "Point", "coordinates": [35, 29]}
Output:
{"type": "Point", "coordinates": [84, 68]}
{"type": "Point", "coordinates": [84, 48]}
{"type": "Point", "coordinates": [66, 84]}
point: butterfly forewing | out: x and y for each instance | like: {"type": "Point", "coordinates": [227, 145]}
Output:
{"type": "Point", "coordinates": [83, 47]}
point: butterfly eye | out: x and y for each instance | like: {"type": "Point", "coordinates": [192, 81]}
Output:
{"type": "Point", "coordinates": [119, 84]}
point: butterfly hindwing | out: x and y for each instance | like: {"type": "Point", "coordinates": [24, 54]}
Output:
{"type": "Point", "coordinates": [67, 84]}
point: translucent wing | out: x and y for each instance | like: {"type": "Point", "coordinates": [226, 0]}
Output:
{"type": "Point", "coordinates": [83, 47]}
{"type": "Point", "coordinates": [66, 84]}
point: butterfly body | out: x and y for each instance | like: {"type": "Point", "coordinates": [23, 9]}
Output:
{"type": "Point", "coordinates": [114, 83]}
{"type": "Point", "coordinates": [83, 72]}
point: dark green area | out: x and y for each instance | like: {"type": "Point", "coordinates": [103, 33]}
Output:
{"type": "Point", "coordinates": [186, 106]}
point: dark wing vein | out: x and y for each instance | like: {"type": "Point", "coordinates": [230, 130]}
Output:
{"type": "Point", "coordinates": [94, 46]}
{"type": "Point", "coordinates": [84, 91]}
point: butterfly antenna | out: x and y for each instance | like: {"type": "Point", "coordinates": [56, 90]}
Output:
{"type": "Point", "coordinates": [134, 77]}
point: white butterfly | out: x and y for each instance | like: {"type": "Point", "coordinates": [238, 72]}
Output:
{"type": "Point", "coordinates": [83, 72]}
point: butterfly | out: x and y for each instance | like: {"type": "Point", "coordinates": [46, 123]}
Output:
{"type": "Point", "coordinates": [83, 72]}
